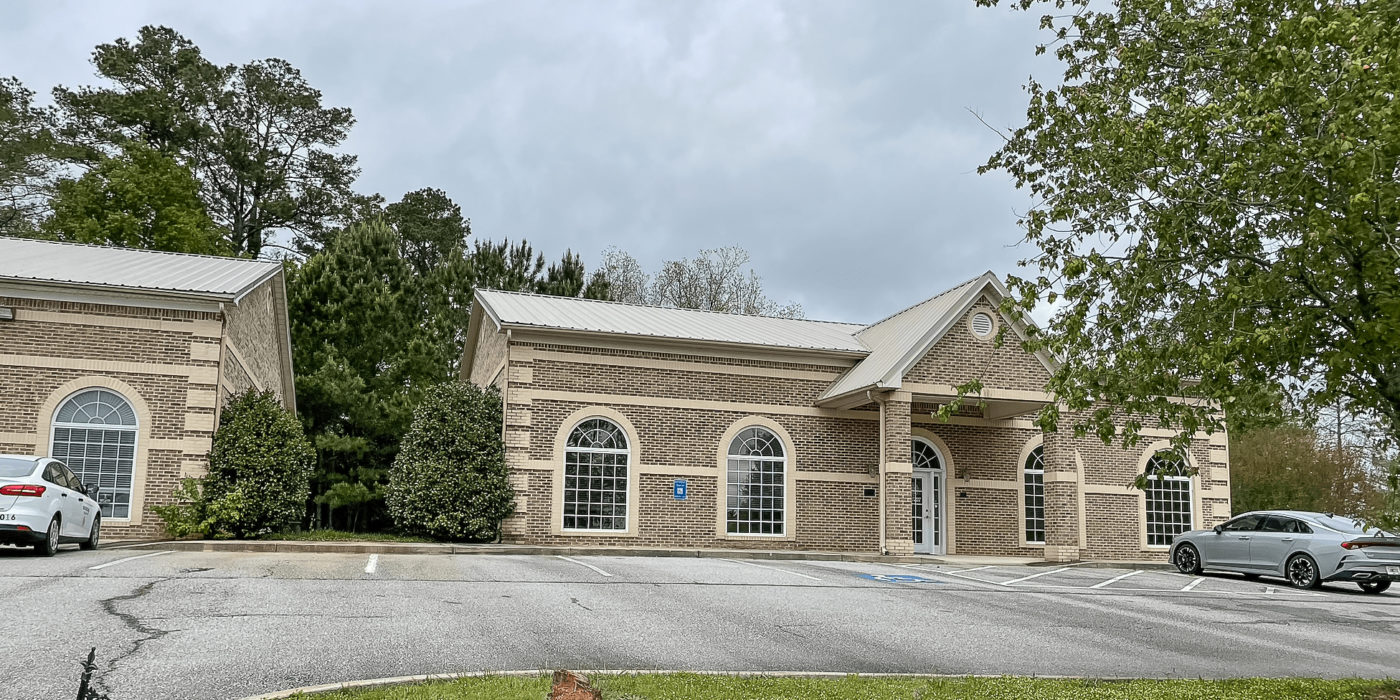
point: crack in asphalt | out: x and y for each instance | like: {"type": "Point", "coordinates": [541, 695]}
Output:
{"type": "Point", "coordinates": [132, 622]}
{"type": "Point", "coordinates": [581, 605]}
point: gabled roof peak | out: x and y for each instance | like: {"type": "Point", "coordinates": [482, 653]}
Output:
{"type": "Point", "coordinates": [950, 290]}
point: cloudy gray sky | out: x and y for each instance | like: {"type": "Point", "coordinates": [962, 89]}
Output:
{"type": "Point", "coordinates": [833, 140]}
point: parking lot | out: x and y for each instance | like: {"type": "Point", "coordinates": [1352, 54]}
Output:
{"type": "Point", "coordinates": [220, 625]}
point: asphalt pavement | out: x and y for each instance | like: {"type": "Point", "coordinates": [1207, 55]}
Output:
{"type": "Point", "coordinates": [181, 624]}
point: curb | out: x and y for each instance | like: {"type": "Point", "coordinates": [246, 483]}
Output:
{"type": "Point", "coordinates": [295, 546]}
{"type": "Point", "coordinates": [408, 680]}
{"type": "Point", "coordinates": [506, 549]}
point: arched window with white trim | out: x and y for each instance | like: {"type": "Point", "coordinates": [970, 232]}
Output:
{"type": "Point", "coordinates": [596, 460]}
{"type": "Point", "coordinates": [94, 433]}
{"type": "Point", "coordinates": [1033, 477]}
{"type": "Point", "coordinates": [1168, 494]}
{"type": "Point", "coordinates": [755, 487]}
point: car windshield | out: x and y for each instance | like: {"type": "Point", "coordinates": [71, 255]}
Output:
{"type": "Point", "coordinates": [12, 467]}
{"type": "Point", "coordinates": [1346, 526]}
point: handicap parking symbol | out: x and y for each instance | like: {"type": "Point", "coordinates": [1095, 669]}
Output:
{"type": "Point", "coordinates": [897, 578]}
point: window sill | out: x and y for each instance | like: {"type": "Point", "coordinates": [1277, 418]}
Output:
{"type": "Point", "coordinates": [595, 533]}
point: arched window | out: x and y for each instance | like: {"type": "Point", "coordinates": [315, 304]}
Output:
{"type": "Point", "coordinates": [1033, 474]}
{"type": "Point", "coordinates": [94, 433]}
{"type": "Point", "coordinates": [595, 477]}
{"type": "Point", "coordinates": [1168, 496]}
{"type": "Point", "coordinates": [925, 455]}
{"type": "Point", "coordinates": [755, 487]}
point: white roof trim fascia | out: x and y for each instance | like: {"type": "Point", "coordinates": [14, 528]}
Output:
{"type": "Point", "coordinates": [895, 377]}
{"type": "Point", "coordinates": [464, 371]}
{"type": "Point", "coordinates": [490, 312]}
{"type": "Point", "coordinates": [117, 289]}
{"type": "Point", "coordinates": [107, 296]}
{"type": "Point", "coordinates": [238, 297]}
{"type": "Point", "coordinates": [1023, 331]}
{"type": "Point", "coordinates": [289, 385]}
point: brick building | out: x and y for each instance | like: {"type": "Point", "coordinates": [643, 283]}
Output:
{"type": "Point", "coordinates": [117, 360]}
{"type": "Point", "coordinates": [640, 426]}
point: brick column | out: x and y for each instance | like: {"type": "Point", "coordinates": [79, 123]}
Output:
{"type": "Point", "coordinates": [897, 470]}
{"type": "Point", "coordinates": [1061, 499]}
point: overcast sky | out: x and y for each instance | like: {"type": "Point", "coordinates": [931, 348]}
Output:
{"type": "Point", "coordinates": [833, 140]}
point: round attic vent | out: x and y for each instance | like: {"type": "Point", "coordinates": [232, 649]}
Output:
{"type": "Point", "coordinates": [982, 324]}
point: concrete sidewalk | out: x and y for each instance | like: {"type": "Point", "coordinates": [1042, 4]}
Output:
{"type": "Point", "coordinates": [363, 547]}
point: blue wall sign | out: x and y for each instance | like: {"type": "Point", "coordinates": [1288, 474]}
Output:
{"type": "Point", "coordinates": [679, 489]}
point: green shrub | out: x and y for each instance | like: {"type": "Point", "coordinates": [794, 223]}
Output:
{"type": "Point", "coordinates": [449, 479]}
{"type": "Point", "coordinates": [259, 474]}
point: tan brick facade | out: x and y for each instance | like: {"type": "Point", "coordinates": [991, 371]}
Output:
{"type": "Point", "coordinates": [679, 405]}
{"type": "Point", "coordinates": [168, 363]}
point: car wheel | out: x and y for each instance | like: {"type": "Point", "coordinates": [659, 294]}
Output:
{"type": "Point", "coordinates": [1302, 572]}
{"type": "Point", "coordinates": [91, 542]}
{"type": "Point", "coordinates": [1374, 587]}
{"type": "Point", "coordinates": [1187, 559]}
{"type": "Point", "coordinates": [49, 546]}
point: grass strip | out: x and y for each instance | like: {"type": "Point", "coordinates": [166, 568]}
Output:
{"type": "Point", "coordinates": [691, 686]}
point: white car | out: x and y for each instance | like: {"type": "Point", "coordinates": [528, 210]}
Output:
{"type": "Point", "coordinates": [43, 504]}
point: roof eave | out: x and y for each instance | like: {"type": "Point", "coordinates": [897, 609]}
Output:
{"type": "Point", "coordinates": [224, 297]}
{"type": "Point", "coordinates": [272, 271]}
{"type": "Point", "coordinates": [845, 398]}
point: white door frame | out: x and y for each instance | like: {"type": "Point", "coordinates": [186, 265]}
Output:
{"type": "Point", "coordinates": [934, 517]}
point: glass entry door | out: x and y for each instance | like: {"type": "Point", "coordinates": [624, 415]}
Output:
{"type": "Point", "coordinates": [927, 506]}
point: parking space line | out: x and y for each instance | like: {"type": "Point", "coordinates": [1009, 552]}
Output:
{"type": "Point", "coordinates": [1196, 582]}
{"type": "Point", "coordinates": [975, 568]}
{"type": "Point", "coordinates": [584, 564]}
{"type": "Point", "coordinates": [372, 564]}
{"type": "Point", "coordinates": [1115, 579]}
{"type": "Point", "coordinates": [1027, 578]}
{"type": "Point", "coordinates": [770, 568]}
{"type": "Point", "coordinates": [120, 561]}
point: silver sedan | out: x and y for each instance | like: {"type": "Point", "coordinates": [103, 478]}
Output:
{"type": "Point", "coordinates": [1305, 548]}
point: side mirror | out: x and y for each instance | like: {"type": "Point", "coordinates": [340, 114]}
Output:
{"type": "Point", "coordinates": [1217, 529]}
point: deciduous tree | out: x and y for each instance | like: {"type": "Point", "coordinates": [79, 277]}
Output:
{"type": "Point", "coordinates": [1217, 205]}
{"type": "Point", "coordinates": [718, 279]}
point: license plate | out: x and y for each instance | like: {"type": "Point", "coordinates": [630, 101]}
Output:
{"type": "Point", "coordinates": [1393, 570]}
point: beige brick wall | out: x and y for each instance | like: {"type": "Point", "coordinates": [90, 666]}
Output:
{"type": "Point", "coordinates": [490, 353]}
{"type": "Point", "coordinates": [961, 356]}
{"type": "Point", "coordinates": [253, 357]}
{"type": "Point", "coordinates": [166, 361]}
{"type": "Point", "coordinates": [829, 514]}
{"type": "Point", "coordinates": [681, 406]}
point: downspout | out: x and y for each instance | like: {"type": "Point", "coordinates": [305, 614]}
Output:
{"type": "Point", "coordinates": [223, 357]}
{"type": "Point", "coordinates": [881, 400]}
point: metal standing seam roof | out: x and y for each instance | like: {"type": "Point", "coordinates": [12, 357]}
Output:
{"type": "Point", "coordinates": [887, 347]}
{"type": "Point", "coordinates": [51, 262]}
{"type": "Point", "coordinates": [566, 313]}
